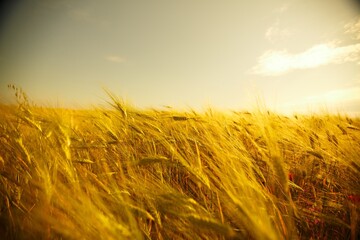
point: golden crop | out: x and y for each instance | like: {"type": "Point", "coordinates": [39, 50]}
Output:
{"type": "Point", "coordinates": [126, 173]}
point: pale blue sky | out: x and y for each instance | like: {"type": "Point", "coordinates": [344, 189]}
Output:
{"type": "Point", "coordinates": [294, 54]}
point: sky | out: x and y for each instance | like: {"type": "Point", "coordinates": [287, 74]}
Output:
{"type": "Point", "coordinates": [289, 55]}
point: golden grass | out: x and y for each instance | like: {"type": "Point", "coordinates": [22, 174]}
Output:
{"type": "Point", "coordinates": [127, 173]}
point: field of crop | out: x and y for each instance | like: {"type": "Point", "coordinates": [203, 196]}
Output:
{"type": "Point", "coordinates": [126, 173]}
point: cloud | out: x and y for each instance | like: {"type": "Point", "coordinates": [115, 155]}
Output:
{"type": "Point", "coordinates": [337, 96]}
{"type": "Point", "coordinates": [345, 100]}
{"type": "Point", "coordinates": [87, 16]}
{"type": "Point", "coordinates": [115, 59]}
{"type": "Point", "coordinates": [275, 62]}
{"type": "Point", "coordinates": [274, 32]}
{"type": "Point", "coordinates": [283, 8]}
{"type": "Point", "coordinates": [81, 14]}
{"type": "Point", "coordinates": [353, 28]}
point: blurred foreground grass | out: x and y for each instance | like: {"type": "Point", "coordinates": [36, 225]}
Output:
{"type": "Point", "coordinates": [127, 173]}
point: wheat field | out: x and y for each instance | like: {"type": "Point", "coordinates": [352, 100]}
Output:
{"type": "Point", "coordinates": [128, 173]}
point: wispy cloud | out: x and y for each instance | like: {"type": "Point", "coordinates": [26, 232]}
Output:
{"type": "Point", "coordinates": [337, 96]}
{"type": "Point", "coordinates": [353, 28]}
{"type": "Point", "coordinates": [275, 62]}
{"type": "Point", "coordinates": [274, 32]}
{"type": "Point", "coordinates": [87, 15]}
{"type": "Point", "coordinates": [283, 8]}
{"type": "Point", "coordinates": [81, 14]}
{"type": "Point", "coordinates": [344, 100]}
{"type": "Point", "coordinates": [115, 59]}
